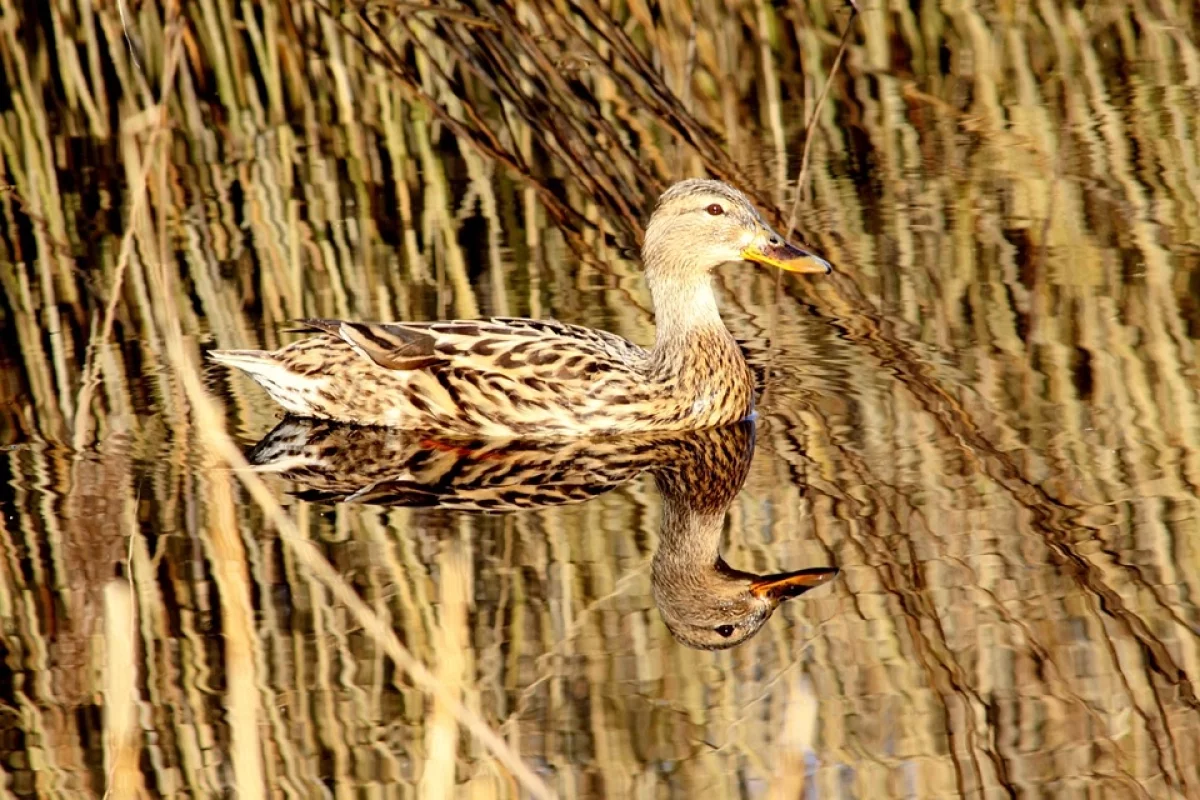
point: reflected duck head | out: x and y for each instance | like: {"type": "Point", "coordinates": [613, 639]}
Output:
{"type": "Point", "coordinates": [700, 224]}
{"type": "Point", "coordinates": [704, 602]}
{"type": "Point", "coordinates": [723, 607]}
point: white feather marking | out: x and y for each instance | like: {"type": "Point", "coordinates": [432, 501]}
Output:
{"type": "Point", "coordinates": [344, 334]}
{"type": "Point", "coordinates": [293, 391]}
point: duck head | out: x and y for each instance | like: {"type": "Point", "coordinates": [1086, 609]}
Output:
{"type": "Point", "coordinates": [700, 224]}
{"type": "Point", "coordinates": [704, 602]}
{"type": "Point", "coordinates": [717, 607]}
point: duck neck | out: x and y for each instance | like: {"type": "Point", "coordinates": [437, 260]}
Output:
{"type": "Point", "coordinates": [690, 545]}
{"type": "Point", "coordinates": [689, 326]}
{"type": "Point", "coordinates": [697, 489]}
{"type": "Point", "coordinates": [683, 304]}
{"type": "Point", "coordinates": [688, 558]}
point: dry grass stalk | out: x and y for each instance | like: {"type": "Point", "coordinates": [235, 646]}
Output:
{"type": "Point", "coordinates": [452, 643]}
{"type": "Point", "coordinates": [122, 731]}
{"type": "Point", "coordinates": [209, 423]}
{"type": "Point", "coordinates": [233, 582]}
{"type": "Point", "coordinates": [156, 121]}
{"type": "Point", "coordinates": [796, 740]}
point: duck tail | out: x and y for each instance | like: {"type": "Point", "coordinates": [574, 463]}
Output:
{"type": "Point", "coordinates": [292, 391]}
{"type": "Point", "coordinates": [251, 361]}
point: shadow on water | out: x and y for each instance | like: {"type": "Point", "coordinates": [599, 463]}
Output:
{"type": "Point", "coordinates": [704, 602]}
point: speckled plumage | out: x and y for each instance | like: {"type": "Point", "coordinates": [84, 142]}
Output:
{"type": "Point", "coordinates": [704, 602]}
{"type": "Point", "coordinates": [522, 377]}
{"type": "Point", "coordinates": [332, 461]}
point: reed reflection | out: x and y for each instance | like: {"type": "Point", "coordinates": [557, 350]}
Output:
{"type": "Point", "coordinates": [704, 602]}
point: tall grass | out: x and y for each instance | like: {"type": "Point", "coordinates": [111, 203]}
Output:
{"type": "Point", "coordinates": [988, 417]}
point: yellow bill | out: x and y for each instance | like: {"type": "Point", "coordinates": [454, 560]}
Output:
{"type": "Point", "coordinates": [791, 584]}
{"type": "Point", "coordinates": [773, 250]}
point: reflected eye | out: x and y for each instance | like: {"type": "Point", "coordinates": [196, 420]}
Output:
{"type": "Point", "coordinates": [716, 210]}
{"type": "Point", "coordinates": [725, 630]}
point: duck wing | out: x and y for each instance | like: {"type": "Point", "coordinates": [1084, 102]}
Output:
{"type": "Point", "coordinates": [496, 344]}
{"type": "Point", "coordinates": [496, 377]}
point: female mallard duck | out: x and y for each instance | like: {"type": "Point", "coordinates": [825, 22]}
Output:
{"type": "Point", "coordinates": [524, 377]}
{"type": "Point", "coordinates": [704, 602]}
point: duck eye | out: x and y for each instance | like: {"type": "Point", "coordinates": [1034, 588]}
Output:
{"type": "Point", "coordinates": [725, 630]}
{"type": "Point", "coordinates": [716, 210]}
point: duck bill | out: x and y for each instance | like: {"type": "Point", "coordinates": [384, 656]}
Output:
{"type": "Point", "coordinates": [778, 588]}
{"type": "Point", "coordinates": [773, 251]}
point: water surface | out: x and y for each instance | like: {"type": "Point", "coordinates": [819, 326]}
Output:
{"type": "Point", "coordinates": [988, 420]}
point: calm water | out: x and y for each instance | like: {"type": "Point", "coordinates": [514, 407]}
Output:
{"type": "Point", "coordinates": [988, 421]}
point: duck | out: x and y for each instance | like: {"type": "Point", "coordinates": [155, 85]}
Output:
{"type": "Point", "coordinates": [515, 377]}
{"type": "Point", "coordinates": [705, 603]}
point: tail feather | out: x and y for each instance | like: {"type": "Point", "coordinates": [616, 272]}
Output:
{"type": "Point", "coordinates": [247, 360]}
{"type": "Point", "coordinates": [289, 389]}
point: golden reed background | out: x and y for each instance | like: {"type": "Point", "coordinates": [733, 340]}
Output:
{"type": "Point", "coordinates": [988, 418]}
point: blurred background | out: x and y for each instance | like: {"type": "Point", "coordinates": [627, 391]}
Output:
{"type": "Point", "coordinates": [988, 418]}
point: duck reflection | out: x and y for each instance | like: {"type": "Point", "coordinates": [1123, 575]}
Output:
{"type": "Point", "coordinates": [704, 602]}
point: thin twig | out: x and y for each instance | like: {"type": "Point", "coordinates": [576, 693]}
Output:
{"type": "Point", "coordinates": [801, 179]}
{"type": "Point", "coordinates": [128, 41]}
{"type": "Point", "coordinates": [685, 89]}
{"type": "Point", "coordinates": [405, 9]}
{"type": "Point", "coordinates": [91, 368]}
{"type": "Point", "coordinates": [816, 115]}
{"type": "Point", "coordinates": [215, 439]}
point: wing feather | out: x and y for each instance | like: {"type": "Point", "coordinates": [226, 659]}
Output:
{"type": "Point", "coordinates": [390, 345]}
{"type": "Point", "coordinates": [532, 349]}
